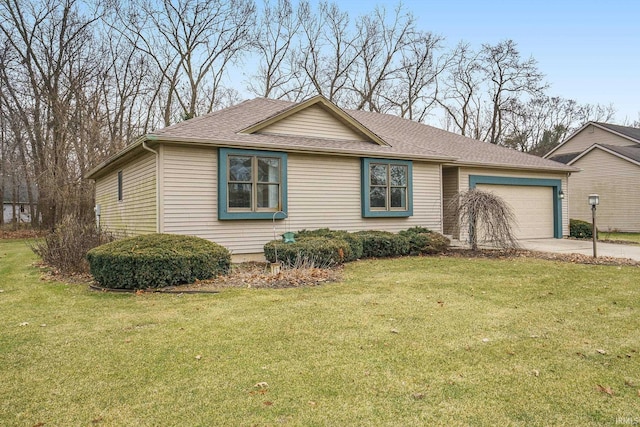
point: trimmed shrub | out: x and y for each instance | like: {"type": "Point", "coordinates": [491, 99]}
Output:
{"type": "Point", "coordinates": [157, 260]}
{"type": "Point", "coordinates": [580, 229]}
{"type": "Point", "coordinates": [423, 241]}
{"type": "Point", "coordinates": [323, 251]}
{"type": "Point", "coordinates": [65, 249]}
{"type": "Point", "coordinates": [355, 243]}
{"type": "Point", "coordinates": [382, 244]}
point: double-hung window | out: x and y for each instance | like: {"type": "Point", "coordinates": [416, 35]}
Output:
{"type": "Point", "coordinates": [387, 188]}
{"type": "Point", "coordinates": [252, 184]}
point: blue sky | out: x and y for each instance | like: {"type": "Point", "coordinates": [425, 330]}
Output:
{"type": "Point", "coordinates": [589, 50]}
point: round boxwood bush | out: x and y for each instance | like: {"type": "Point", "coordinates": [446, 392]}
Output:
{"type": "Point", "coordinates": [157, 260]}
{"type": "Point", "coordinates": [580, 229]}
{"type": "Point", "coordinates": [322, 251]}
{"type": "Point", "coordinates": [355, 243]}
{"type": "Point", "coordinates": [383, 244]}
{"type": "Point", "coordinates": [423, 241]}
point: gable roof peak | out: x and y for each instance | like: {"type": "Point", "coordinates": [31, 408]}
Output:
{"type": "Point", "coordinates": [319, 100]}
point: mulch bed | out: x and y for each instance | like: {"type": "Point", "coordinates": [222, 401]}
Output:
{"type": "Point", "coordinates": [258, 275]}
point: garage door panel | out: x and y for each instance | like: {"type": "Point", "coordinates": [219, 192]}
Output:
{"type": "Point", "coordinates": [532, 207]}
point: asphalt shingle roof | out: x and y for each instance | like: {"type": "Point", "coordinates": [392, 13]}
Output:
{"type": "Point", "coordinates": [630, 151]}
{"type": "Point", "coordinates": [630, 132]}
{"type": "Point", "coordinates": [565, 158]}
{"type": "Point", "coordinates": [405, 137]}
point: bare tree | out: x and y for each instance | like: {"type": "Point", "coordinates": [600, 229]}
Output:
{"type": "Point", "coordinates": [50, 60]}
{"type": "Point", "coordinates": [539, 124]}
{"type": "Point", "coordinates": [272, 39]}
{"type": "Point", "coordinates": [191, 43]}
{"type": "Point", "coordinates": [414, 90]}
{"type": "Point", "coordinates": [509, 78]}
{"type": "Point", "coordinates": [380, 42]}
{"type": "Point", "coordinates": [488, 217]}
{"type": "Point", "coordinates": [327, 52]}
{"type": "Point", "coordinates": [483, 87]}
{"type": "Point", "coordinates": [461, 94]}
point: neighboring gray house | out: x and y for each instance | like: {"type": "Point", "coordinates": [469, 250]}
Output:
{"type": "Point", "coordinates": [222, 176]}
{"type": "Point", "coordinates": [15, 211]}
{"type": "Point", "coordinates": [609, 159]}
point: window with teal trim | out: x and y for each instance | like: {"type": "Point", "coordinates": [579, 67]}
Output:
{"type": "Point", "coordinates": [387, 188]}
{"type": "Point", "coordinates": [251, 184]}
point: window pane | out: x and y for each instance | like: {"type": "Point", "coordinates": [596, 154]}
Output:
{"type": "Point", "coordinates": [399, 197]}
{"type": "Point", "coordinates": [378, 197]}
{"type": "Point", "coordinates": [378, 174]}
{"type": "Point", "coordinates": [239, 168]}
{"type": "Point", "coordinates": [268, 196]}
{"type": "Point", "coordinates": [398, 175]}
{"type": "Point", "coordinates": [268, 169]}
{"type": "Point", "coordinates": [240, 196]}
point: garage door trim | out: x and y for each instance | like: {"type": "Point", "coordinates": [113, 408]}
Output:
{"type": "Point", "coordinates": [555, 184]}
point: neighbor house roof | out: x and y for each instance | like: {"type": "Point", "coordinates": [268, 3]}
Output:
{"type": "Point", "coordinates": [391, 137]}
{"type": "Point", "coordinates": [565, 158]}
{"type": "Point", "coordinates": [629, 152]}
{"type": "Point", "coordinates": [627, 132]}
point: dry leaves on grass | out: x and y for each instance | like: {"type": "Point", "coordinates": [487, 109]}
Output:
{"type": "Point", "coordinates": [605, 389]}
{"type": "Point", "coordinates": [23, 233]}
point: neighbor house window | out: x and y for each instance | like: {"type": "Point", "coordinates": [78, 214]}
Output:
{"type": "Point", "coordinates": [119, 186]}
{"type": "Point", "coordinates": [387, 188]}
{"type": "Point", "coordinates": [252, 184]}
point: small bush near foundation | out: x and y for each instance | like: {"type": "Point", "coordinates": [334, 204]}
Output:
{"type": "Point", "coordinates": [323, 251]}
{"type": "Point", "coordinates": [383, 244]}
{"type": "Point", "coordinates": [157, 260]}
{"type": "Point", "coordinates": [580, 229]}
{"type": "Point", "coordinates": [355, 243]}
{"type": "Point", "coordinates": [423, 241]}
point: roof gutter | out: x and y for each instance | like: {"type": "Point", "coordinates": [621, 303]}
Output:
{"type": "Point", "coordinates": [116, 156]}
{"type": "Point", "coordinates": [562, 168]}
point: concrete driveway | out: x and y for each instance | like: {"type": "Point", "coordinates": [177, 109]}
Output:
{"type": "Point", "coordinates": [585, 247]}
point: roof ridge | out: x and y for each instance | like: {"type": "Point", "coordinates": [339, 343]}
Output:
{"type": "Point", "coordinates": [197, 119]}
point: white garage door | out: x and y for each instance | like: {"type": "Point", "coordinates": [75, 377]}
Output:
{"type": "Point", "coordinates": [532, 206]}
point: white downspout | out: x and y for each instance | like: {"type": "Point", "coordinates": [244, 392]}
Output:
{"type": "Point", "coordinates": [144, 145]}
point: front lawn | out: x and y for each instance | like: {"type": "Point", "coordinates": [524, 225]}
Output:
{"type": "Point", "coordinates": [412, 341]}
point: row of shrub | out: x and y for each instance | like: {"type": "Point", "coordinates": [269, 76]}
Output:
{"type": "Point", "coordinates": [159, 260]}
{"type": "Point", "coordinates": [332, 247]}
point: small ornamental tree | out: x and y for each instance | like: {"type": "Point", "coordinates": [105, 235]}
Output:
{"type": "Point", "coordinates": [487, 215]}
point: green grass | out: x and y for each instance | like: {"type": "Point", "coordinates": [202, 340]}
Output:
{"type": "Point", "coordinates": [414, 341]}
{"type": "Point", "coordinates": [629, 237]}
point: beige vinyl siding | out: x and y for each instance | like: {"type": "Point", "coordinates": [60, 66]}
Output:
{"type": "Point", "coordinates": [464, 186]}
{"type": "Point", "coordinates": [323, 191]}
{"type": "Point", "coordinates": [450, 183]}
{"type": "Point", "coordinates": [616, 181]}
{"type": "Point", "coordinates": [589, 136]}
{"type": "Point", "coordinates": [316, 122]}
{"type": "Point", "coordinates": [136, 213]}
